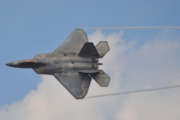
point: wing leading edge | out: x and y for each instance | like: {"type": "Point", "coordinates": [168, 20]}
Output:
{"type": "Point", "coordinates": [76, 83]}
{"type": "Point", "coordinates": [74, 43]}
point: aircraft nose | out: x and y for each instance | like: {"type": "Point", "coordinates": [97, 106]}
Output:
{"type": "Point", "coordinates": [12, 64]}
{"type": "Point", "coordinates": [23, 63]}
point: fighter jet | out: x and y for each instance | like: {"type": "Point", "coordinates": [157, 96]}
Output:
{"type": "Point", "coordinates": [73, 64]}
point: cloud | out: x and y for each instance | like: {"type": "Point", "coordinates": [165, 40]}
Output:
{"type": "Point", "coordinates": [156, 63]}
{"type": "Point", "coordinates": [158, 106]}
{"type": "Point", "coordinates": [151, 64]}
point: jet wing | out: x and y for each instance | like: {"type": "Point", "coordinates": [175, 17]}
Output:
{"type": "Point", "coordinates": [73, 43]}
{"type": "Point", "coordinates": [76, 83]}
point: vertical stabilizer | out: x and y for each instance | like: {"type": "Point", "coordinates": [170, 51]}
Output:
{"type": "Point", "coordinates": [102, 48]}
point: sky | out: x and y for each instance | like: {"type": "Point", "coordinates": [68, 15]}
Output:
{"type": "Point", "coordinates": [141, 58]}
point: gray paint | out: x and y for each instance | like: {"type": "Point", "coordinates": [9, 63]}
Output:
{"type": "Point", "coordinates": [73, 64]}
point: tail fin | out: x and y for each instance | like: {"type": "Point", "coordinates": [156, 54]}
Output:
{"type": "Point", "coordinates": [102, 48]}
{"type": "Point", "coordinates": [98, 51]}
{"type": "Point", "coordinates": [89, 50]}
{"type": "Point", "coordinates": [101, 78]}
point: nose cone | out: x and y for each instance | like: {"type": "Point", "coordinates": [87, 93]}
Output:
{"type": "Point", "coordinates": [23, 64]}
{"type": "Point", "coordinates": [12, 64]}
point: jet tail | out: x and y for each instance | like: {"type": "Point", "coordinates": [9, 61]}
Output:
{"type": "Point", "coordinates": [89, 50]}
{"type": "Point", "coordinates": [102, 48]}
{"type": "Point", "coordinates": [101, 78]}
{"type": "Point", "coordinates": [98, 51]}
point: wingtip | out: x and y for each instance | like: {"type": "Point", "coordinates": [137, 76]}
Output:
{"type": "Point", "coordinates": [79, 30]}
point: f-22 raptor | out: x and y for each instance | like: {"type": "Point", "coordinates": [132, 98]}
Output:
{"type": "Point", "coordinates": [73, 64]}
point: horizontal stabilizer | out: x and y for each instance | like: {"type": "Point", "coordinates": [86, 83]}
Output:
{"type": "Point", "coordinates": [101, 78]}
{"type": "Point", "coordinates": [89, 50]}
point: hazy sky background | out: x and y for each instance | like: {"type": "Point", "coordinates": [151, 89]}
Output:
{"type": "Point", "coordinates": [39, 26]}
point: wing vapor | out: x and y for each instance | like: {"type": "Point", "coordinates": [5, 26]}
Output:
{"type": "Point", "coordinates": [133, 91]}
{"type": "Point", "coordinates": [135, 28]}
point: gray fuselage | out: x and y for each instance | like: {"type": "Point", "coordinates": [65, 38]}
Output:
{"type": "Point", "coordinates": [53, 63]}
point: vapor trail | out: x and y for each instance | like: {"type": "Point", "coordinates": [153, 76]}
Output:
{"type": "Point", "coordinates": [135, 28]}
{"type": "Point", "coordinates": [134, 91]}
